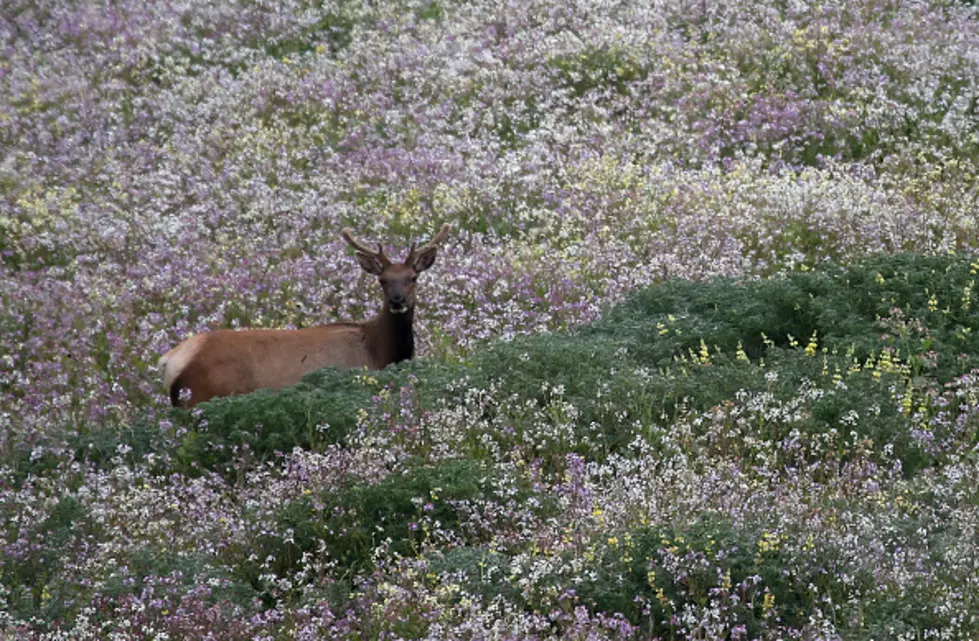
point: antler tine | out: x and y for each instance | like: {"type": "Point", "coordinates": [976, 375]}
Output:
{"type": "Point", "coordinates": [348, 236]}
{"type": "Point", "coordinates": [446, 228]}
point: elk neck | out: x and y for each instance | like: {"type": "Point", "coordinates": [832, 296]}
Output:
{"type": "Point", "coordinates": [391, 337]}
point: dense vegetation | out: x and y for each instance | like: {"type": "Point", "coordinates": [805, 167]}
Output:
{"type": "Point", "coordinates": [688, 465]}
{"type": "Point", "coordinates": [699, 361]}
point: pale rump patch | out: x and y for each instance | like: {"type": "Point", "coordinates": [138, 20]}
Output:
{"type": "Point", "coordinates": [174, 361]}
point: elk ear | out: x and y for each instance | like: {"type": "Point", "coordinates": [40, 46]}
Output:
{"type": "Point", "coordinates": [370, 263]}
{"type": "Point", "coordinates": [424, 259]}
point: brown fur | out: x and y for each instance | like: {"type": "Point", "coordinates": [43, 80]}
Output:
{"type": "Point", "coordinates": [228, 362]}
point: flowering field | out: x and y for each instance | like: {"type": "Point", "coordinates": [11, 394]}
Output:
{"type": "Point", "coordinates": [649, 403]}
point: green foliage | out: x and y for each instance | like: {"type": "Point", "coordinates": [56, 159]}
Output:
{"type": "Point", "coordinates": [133, 442]}
{"type": "Point", "coordinates": [334, 28]}
{"type": "Point", "coordinates": [479, 570]}
{"type": "Point", "coordinates": [849, 309]}
{"type": "Point", "coordinates": [136, 569]}
{"type": "Point", "coordinates": [34, 565]}
{"type": "Point", "coordinates": [744, 573]}
{"type": "Point", "coordinates": [598, 68]}
{"type": "Point", "coordinates": [319, 411]}
{"type": "Point", "coordinates": [349, 523]}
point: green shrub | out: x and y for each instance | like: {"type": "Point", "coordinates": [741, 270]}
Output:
{"type": "Point", "coordinates": [35, 570]}
{"type": "Point", "coordinates": [479, 571]}
{"type": "Point", "coordinates": [135, 569]}
{"type": "Point", "coordinates": [654, 573]}
{"type": "Point", "coordinates": [348, 524]}
{"type": "Point", "coordinates": [321, 410]}
{"type": "Point", "coordinates": [598, 67]}
{"type": "Point", "coordinates": [915, 304]}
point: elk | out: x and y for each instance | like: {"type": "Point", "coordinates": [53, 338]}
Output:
{"type": "Point", "coordinates": [227, 362]}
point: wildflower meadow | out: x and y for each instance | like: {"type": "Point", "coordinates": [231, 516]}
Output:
{"type": "Point", "coordinates": [698, 360]}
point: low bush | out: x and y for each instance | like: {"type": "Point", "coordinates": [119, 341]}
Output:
{"type": "Point", "coordinates": [344, 527]}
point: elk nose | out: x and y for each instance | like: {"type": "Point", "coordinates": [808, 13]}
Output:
{"type": "Point", "coordinates": [398, 300]}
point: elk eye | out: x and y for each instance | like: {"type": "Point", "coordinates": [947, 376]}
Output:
{"type": "Point", "coordinates": [414, 279]}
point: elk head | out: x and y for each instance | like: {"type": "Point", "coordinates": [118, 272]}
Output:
{"type": "Point", "coordinates": [397, 279]}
